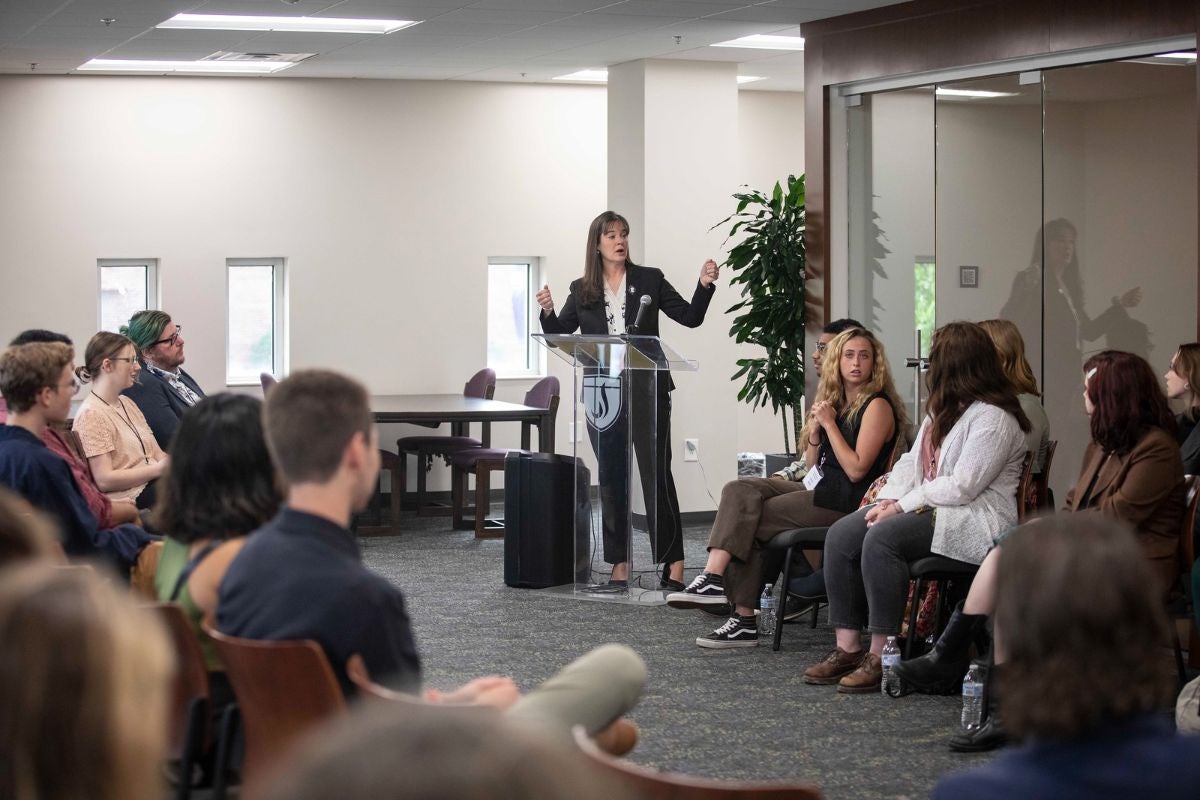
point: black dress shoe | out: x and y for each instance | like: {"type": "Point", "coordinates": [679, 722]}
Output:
{"type": "Point", "coordinates": [988, 736]}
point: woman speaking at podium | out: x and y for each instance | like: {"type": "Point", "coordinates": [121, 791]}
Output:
{"type": "Point", "coordinates": [613, 295]}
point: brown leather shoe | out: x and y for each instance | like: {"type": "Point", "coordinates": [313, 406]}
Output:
{"type": "Point", "coordinates": [866, 678]}
{"type": "Point", "coordinates": [835, 665]}
{"type": "Point", "coordinates": [619, 738]}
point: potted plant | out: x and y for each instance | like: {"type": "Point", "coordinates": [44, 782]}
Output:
{"type": "Point", "coordinates": [768, 263]}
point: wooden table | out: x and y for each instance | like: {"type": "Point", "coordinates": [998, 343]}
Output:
{"type": "Point", "coordinates": [462, 411]}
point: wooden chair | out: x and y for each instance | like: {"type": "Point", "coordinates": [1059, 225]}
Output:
{"type": "Point", "coordinates": [482, 384]}
{"type": "Point", "coordinates": [655, 785]}
{"type": "Point", "coordinates": [482, 461]}
{"type": "Point", "coordinates": [356, 670]}
{"type": "Point", "coordinates": [283, 689]}
{"type": "Point", "coordinates": [1185, 610]}
{"type": "Point", "coordinates": [1033, 492]}
{"type": "Point", "coordinates": [191, 709]}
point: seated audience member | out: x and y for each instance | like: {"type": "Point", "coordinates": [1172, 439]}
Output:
{"type": "Point", "coordinates": [1078, 620]}
{"type": "Point", "coordinates": [1131, 472]}
{"type": "Point", "coordinates": [38, 382]}
{"type": "Point", "coordinates": [163, 390]}
{"type": "Point", "coordinates": [950, 495]}
{"type": "Point", "coordinates": [1011, 349]}
{"type": "Point", "coordinates": [107, 512]}
{"type": "Point", "coordinates": [389, 753]}
{"type": "Point", "coordinates": [220, 486]}
{"type": "Point", "coordinates": [851, 432]}
{"type": "Point", "coordinates": [1182, 377]}
{"type": "Point", "coordinates": [301, 576]}
{"type": "Point", "coordinates": [84, 684]}
{"type": "Point", "coordinates": [25, 535]}
{"type": "Point", "coordinates": [125, 457]}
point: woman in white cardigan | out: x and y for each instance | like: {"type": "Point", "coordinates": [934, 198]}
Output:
{"type": "Point", "coordinates": [949, 495]}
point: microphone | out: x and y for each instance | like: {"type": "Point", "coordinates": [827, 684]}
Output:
{"type": "Point", "coordinates": [643, 307]}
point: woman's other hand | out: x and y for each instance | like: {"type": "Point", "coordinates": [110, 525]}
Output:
{"type": "Point", "coordinates": [545, 300]}
{"type": "Point", "coordinates": [709, 273]}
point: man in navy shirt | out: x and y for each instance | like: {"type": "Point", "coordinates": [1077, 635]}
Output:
{"type": "Point", "coordinates": [38, 382]}
{"type": "Point", "coordinates": [301, 575]}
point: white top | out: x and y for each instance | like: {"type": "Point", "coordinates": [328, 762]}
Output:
{"type": "Point", "coordinates": [614, 307]}
{"type": "Point", "coordinates": [975, 491]}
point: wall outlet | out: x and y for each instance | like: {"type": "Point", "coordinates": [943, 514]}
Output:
{"type": "Point", "coordinates": [691, 449]}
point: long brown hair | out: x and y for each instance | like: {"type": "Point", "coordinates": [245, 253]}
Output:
{"type": "Point", "coordinates": [1006, 336]}
{"type": "Point", "coordinates": [1127, 400]}
{"type": "Point", "coordinates": [591, 288]}
{"type": "Point", "coordinates": [831, 389]}
{"type": "Point", "coordinates": [1186, 365]}
{"type": "Point", "coordinates": [83, 688]}
{"type": "Point", "coordinates": [1078, 619]}
{"type": "Point", "coordinates": [100, 348]}
{"type": "Point", "coordinates": [964, 367]}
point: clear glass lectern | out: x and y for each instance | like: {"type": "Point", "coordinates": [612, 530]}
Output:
{"type": "Point", "coordinates": [619, 384]}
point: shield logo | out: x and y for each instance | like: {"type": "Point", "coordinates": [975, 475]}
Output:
{"type": "Point", "coordinates": [601, 400]}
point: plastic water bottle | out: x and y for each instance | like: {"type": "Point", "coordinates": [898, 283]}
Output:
{"type": "Point", "coordinates": [890, 658]}
{"type": "Point", "coordinates": [766, 612]}
{"type": "Point", "coordinates": [972, 694]}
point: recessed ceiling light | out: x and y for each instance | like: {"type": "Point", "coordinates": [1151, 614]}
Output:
{"type": "Point", "coordinates": [941, 92]}
{"type": "Point", "coordinates": [238, 22]}
{"type": "Point", "coordinates": [1184, 56]}
{"type": "Point", "coordinates": [750, 78]}
{"type": "Point", "coordinates": [765, 41]}
{"type": "Point", "coordinates": [188, 67]}
{"type": "Point", "coordinates": [589, 75]}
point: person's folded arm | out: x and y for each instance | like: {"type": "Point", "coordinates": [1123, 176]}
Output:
{"type": "Point", "coordinates": [1151, 477]}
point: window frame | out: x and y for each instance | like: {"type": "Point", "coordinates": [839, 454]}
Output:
{"type": "Point", "coordinates": [153, 294]}
{"type": "Point", "coordinates": [535, 355]}
{"type": "Point", "coordinates": [279, 317]}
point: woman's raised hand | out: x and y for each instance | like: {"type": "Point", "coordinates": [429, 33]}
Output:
{"type": "Point", "coordinates": [709, 273]}
{"type": "Point", "coordinates": [544, 299]}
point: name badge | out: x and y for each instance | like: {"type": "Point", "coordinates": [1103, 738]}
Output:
{"type": "Point", "coordinates": [812, 478]}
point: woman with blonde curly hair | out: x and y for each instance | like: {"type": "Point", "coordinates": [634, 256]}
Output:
{"type": "Point", "coordinates": [1011, 349]}
{"type": "Point", "coordinates": [853, 428]}
{"type": "Point", "coordinates": [83, 688]}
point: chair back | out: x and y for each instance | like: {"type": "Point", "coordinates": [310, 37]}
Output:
{"type": "Point", "coordinates": [1023, 486]}
{"type": "Point", "coordinates": [1040, 497]}
{"type": "Point", "coordinates": [655, 785]}
{"type": "Point", "coordinates": [1187, 540]}
{"type": "Point", "coordinates": [356, 669]}
{"type": "Point", "coordinates": [189, 695]}
{"type": "Point", "coordinates": [542, 393]}
{"type": "Point", "coordinates": [482, 384]}
{"type": "Point", "coordinates": [283, 690]}
{"type": "Point", "coordinates": [268, 381]}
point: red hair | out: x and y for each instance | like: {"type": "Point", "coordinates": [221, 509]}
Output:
{"type": "Point", "coordinates": [1127, 400]}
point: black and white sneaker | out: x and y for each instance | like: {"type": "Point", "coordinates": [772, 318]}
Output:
{"type": "Point", "coordinates": [737, 632]}
{"type": "Point", "coordinates": [705, 590]}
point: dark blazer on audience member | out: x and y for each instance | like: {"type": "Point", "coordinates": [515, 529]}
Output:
{"type": "Point", "coordinates": [160, 404]}
{"type": "Point", "coordinates": [1140, 757]}
{"type": "Point", "coordinates": [590, 318]}
{"type": "Point", "coordinates": [1189, 444]}
{"type": "Point", "coordinates": [32, 470]}
{"type": "Point", "coordinates": [1144, 489]}
{"type": "Point", "coordinates": [301, 576]}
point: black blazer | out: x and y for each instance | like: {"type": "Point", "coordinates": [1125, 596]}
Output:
{"type": "Point", "coordinates": [160, 404]}
{"type": "Point", "coordinates": [589, 318]}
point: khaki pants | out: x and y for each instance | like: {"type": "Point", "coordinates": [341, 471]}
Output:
{"type": "Point", "coordinates": [594, 691]}
{"type": "Point", "coordinates": [752, 512]}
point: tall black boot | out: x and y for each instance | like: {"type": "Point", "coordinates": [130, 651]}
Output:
{"type": "Point", "coordinates": [991, 734]}
{"type": "Point", "coordinates": [941, 670]}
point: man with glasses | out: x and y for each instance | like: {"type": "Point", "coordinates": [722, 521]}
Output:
{"type": "Point", "coordinates": [66, 446]}
{"type": "Point", "coordinates": [38, 382]}
{"type": "Point", "coordinates": [163, 390]}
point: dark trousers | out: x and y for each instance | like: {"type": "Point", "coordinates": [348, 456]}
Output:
{"type": "Point", "coordinates": [652, 447]}
{"type": "Point", "coordinates": [866, 569]}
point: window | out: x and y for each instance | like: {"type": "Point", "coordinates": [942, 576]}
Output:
{"type": "Point", "coordinates": [924, 296]}
{"type": "Point", "coordinates": [512, 284]}
{"type": "Point", "coordinates": [255, 330]}
{"type": "Point", "coordinates": [127, 285]}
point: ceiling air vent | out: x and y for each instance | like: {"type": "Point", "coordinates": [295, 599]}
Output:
{"type": "Point", "coordinates": [224, 55]}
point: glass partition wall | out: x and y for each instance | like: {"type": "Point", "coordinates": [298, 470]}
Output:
{"type": "Point", "coordinates": [1063, 199]}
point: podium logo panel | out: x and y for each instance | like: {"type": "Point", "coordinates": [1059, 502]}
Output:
{"type": "Point", "coordinates": [602, 400]}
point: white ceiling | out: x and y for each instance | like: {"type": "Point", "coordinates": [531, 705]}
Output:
{"type": "Point", "coordinates": [488, 40]}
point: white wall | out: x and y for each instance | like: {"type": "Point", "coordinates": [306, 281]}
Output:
{"type": "Point", "coordinates": [385, 197]}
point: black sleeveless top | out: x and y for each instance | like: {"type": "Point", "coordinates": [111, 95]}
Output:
{"type": "Point", "coordinates": [836, 491]}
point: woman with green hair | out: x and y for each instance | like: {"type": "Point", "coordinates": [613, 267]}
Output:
{"type": "Point", "coordinates": [163, 390]}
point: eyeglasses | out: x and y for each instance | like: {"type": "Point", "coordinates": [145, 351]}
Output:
{"type": "Point", "coordinates": [172, 339]}
{"type": "Point", "coordinates": [820, 347]}
{"type": "Point", "coordinates": [130, 359]}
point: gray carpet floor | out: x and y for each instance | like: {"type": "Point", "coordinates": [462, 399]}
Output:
{"type": "Point", "coordinates": [741, 714]}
